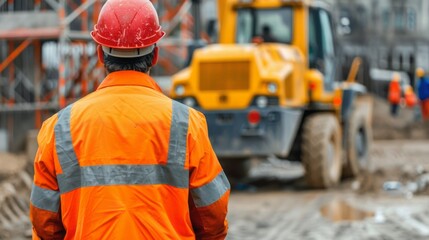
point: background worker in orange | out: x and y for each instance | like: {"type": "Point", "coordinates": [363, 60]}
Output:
{"type": "Point", "coordinates": [410, 97]}
{"type": "Point", "coordinates": [394, 94]}
{"type": "Point", "coordinates": [127, 162]}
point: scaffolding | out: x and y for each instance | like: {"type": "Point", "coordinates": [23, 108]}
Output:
{"type": "Point", "coordinates": [48, 60]}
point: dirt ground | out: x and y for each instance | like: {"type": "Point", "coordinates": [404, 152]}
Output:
{"type": "Point", "coordinates": [15, 185]}
{"type": "Point", "coordinates": [406, 125]}
{"type": "Point", "coordinates": [391, 203]}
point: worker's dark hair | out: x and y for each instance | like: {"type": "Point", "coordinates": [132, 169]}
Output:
{"type": "Point", "coordinates": [140, 64]}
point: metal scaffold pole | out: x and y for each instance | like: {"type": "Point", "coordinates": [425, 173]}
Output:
{"type": "Point", "coordinates": [61, 49]}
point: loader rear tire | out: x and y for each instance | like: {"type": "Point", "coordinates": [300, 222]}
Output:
{"type": "Point", "coordinates": [321, 150]}
{"type": "Point", "coordinates": [359, 136]}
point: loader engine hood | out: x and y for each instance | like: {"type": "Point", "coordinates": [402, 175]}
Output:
{"type": "Point", "coordinates": [230, 76]}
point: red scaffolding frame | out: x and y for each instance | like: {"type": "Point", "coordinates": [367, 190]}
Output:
{"type": "Point", "coordinates": [52, 62]}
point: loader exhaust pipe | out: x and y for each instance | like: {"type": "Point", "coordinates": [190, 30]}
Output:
{"type": "Point", "coordinates": [351, 78]}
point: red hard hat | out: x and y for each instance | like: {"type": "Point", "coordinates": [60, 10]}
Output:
{"type": "Point", "coordinates": [127, 24]}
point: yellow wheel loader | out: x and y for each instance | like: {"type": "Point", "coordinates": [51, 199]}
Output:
{"type": "Point", "coordinates": [271, 87]}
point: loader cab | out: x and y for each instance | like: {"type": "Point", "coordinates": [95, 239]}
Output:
{"type": "Point", "coordinates": [275, 25]}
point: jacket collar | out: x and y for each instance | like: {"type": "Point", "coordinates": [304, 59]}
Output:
{"type": "Point", "coordinates": [129, 78]}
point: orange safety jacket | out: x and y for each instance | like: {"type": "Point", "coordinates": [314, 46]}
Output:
{"type": "Point", "coordinates": [394, 93]}
{"type": "Point", "coordinates": [410, 99]}
{"type": "Point", "coordinates": [127, 162]}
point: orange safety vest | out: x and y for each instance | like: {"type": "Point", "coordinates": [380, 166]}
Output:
{"type": "Point", "coordinates": [394, 92]}
{"type": "Point", "coordinates": [410, 99]}
{"type": "Point", "coordinates": [127, 162]}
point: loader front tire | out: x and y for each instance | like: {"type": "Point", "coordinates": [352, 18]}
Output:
{"type": "Point", "coordinates": [321, 150]}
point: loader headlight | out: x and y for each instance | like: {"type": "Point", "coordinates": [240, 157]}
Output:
{"type": "Point", "coordinates": [179, 90]}
{"type": "Point", "coordinates": [261, 101]}
{"type": "Point", "coordinates": [272, 87]}
{"type": "Point", "coordinates": [189, 102]}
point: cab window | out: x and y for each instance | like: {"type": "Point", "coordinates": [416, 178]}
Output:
{"type": "Point", "coordinates": [272, 25]}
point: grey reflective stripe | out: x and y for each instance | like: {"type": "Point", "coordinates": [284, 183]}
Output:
{"type": "Point", "coordinates": [178, 135]}
{"type": "Point", "coordinates": [74, 176]}
{"type": "Point", "coordinates": [105, 175]}
{"type": "Point", "coordinates": [71, 177]}
{"type": "Point", "coordinates": [45, 199]}
{"type": "Point", "coordinates": [211, 192]}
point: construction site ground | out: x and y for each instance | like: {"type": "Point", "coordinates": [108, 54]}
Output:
{"type": "Point", "coordinates": [391, 201]}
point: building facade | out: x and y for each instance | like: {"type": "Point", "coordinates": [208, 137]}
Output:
{"type": "Point", "coordinates": [390, 35]}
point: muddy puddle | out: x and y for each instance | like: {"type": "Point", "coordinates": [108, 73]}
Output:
{"type": "Point", "coordinates": [340, 210]}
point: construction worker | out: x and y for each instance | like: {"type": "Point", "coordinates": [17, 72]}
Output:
{"type": "Point", "coordinates": [127, 162]}
{"type": "Point", "coordinates": [423, 92]}
{"type": "Point", "coordinates": [267, 34]}
{"type": "Point", "coordinates": [394, 94]}
{"type": "Point", "coordinates": [410, 97]}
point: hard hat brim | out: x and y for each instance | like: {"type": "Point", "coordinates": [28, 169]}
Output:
{"type": "Point", "coordinates": [128, 53]}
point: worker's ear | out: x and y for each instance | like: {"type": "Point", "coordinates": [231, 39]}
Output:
{"type": "Point", "coordinates": [100, 54]}
{"type": "Point", "coordinates": [155, 56]}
